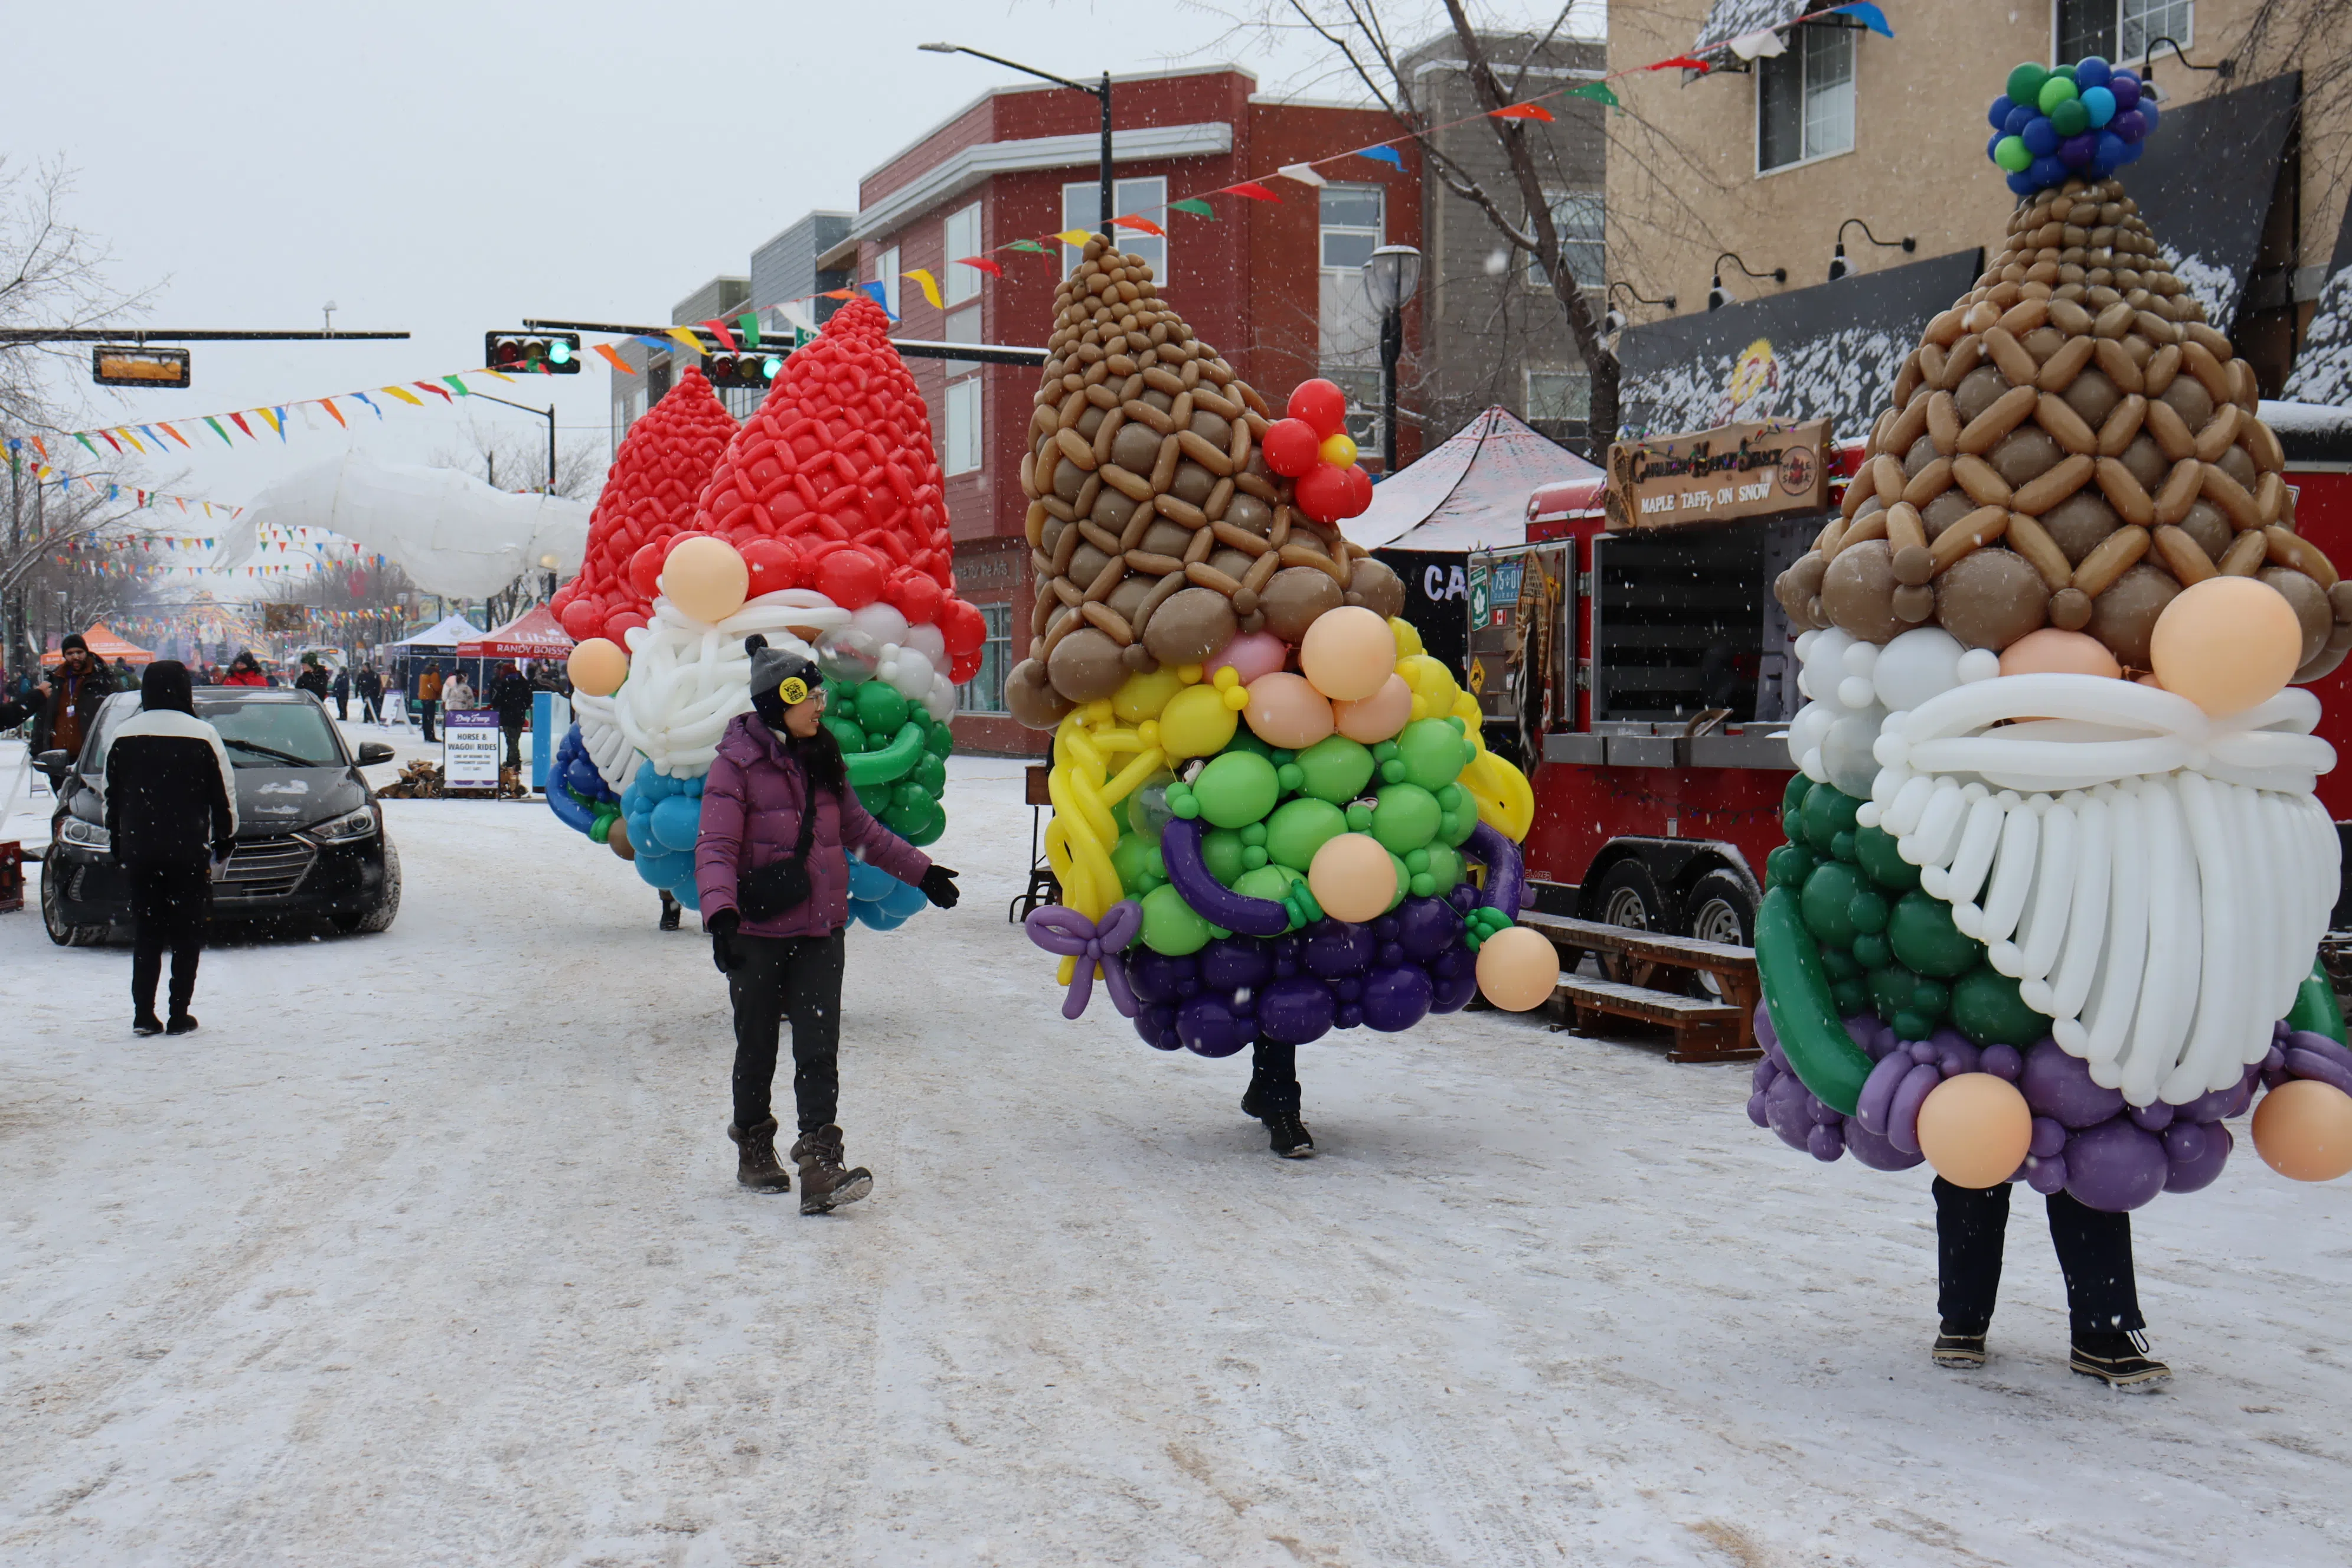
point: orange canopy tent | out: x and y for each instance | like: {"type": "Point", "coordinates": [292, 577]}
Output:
{"type": "Point", "coordinates": [532, 635]}
{"type": "Point", "coordinates": [105, 644]}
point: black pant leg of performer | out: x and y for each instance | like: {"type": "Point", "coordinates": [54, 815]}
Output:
{"type": "Point", "coordinates": [1273, 1078]}
{"type": "Point", "coordinates": [2095, 1253]}
{"type": "Point", "coordinates": [757, 990]}
{"type": "Point", "coordinates": [169, 903]}
{"type": "Point", "coordinates": [1970, 1226]}
{"type": "Point", "coordinates": [812, 1000]}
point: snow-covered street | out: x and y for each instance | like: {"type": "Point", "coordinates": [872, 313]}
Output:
{"type": "Point", "coordinates": [427, 1250]}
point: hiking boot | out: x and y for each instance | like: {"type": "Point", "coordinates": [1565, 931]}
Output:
{"type": "Point", "coordinates": [2119, 1360]}
{"type": "Point", "coordinates": [756, 1166]}
{"type": "Point", "coordinates": [1287, 1136]}
{"type": "Point", "coordinates": [825, 1185]}
{"type": "Point", "coordinates": [145, 1023]}
{"type": "Point", "coordinates": [671, 908]}
{"type": "Point", "coordinates": [1958, 1351]}
{"type": "Point", "coordinates": [181, 1024]}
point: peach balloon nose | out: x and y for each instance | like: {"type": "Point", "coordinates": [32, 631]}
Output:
{"type": "Point", "coordinates": [2226, 643]}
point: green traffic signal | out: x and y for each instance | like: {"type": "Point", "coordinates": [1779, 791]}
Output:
{"type": "Point", "coordinates": [771, 367]}
{"type": "Point", "coordinates": [559, 352]}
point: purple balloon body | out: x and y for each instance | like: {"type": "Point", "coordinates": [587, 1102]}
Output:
{"type": "Point", "coordinates": [1230, 963]}
{"type": "Point", "coordinates": [2049, 1138]}
{"type": "Point", "coordinates": [2195, 1155]}
{"type": "Point", "coordinates": [2221, 1102]}
{"type": "Point", "coordinates": [1756, 1102]}
{"type": "Point", "coordinates": [2058, 1086]}
{"type": "Point", "coordinates": [1875, 1151]}
{"type": "Point", "coordinates": [1766, 1038]}
{"type": "Point", "coordinates": [2155, 1118]}
{"type": "Point", "coordinates": [1335, 950]}
{"type": "Point", "coordinates": [1157, 1024]}
{"type": "Point", "coordinates": [1157, 977]}
{"type": "Point", "coordinates": [2002, 1061]}
{"type": "Point", "coordinates": [1505, 872]}
{"type": "Point", "coordinates": [1452, 993]}
{"type": "Point", "coordinates": [1396, 998]}
{"type": "Point", "coordinates": [1825, 1144]}
{"type": "Point", "coordinates": [1209, 1027]}
{"type": "Point", "coordinates": [1784, 1106]}
{"type": "Point", "coordinates": [1426, 927]}
{"type": "Point", "coordinates": [2075, 150]}
{"type": "Point", "coordinates": [2115, 1166]}
{"type": "Point", "coordinates": [1295, 1011]}
{"type": "Point", "coordinates": [1180, 848]}
{"type": "Point", "coordinates": [2125, 85]}
{"type": "Point", "coordinates": [2045, 1175]}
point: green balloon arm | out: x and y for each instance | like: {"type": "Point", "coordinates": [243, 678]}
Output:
{"type": "Point", "coordinates": [2315, 1007]}
{"type": "Point", "coordinates": [1804, 1015]}
{"type": "Point", "coordinates": [601, 830]}
{"type": "Point", "coordinates": [889, 763]}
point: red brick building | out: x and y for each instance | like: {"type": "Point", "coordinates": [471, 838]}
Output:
{"type": "Point", "coordinates": [1274, 287]}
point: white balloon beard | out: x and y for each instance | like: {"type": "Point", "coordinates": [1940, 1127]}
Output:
{"type": "Point", "coordinates": [2156, 879]}
{"type": "Point", "coordinates": [689, 679]}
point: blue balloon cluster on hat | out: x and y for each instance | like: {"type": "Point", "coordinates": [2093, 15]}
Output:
{"type": "Point", "coordinates": [2080, 122]}
{"type": "Point", "coordinates": [664, 816]}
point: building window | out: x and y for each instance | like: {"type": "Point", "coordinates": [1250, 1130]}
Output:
{"type": "Point", "coordinates": [1804, 99]}
{"type": "Point", "coordinates": [1144, 199]}
{"type": "Point", "coordinates": [1557, 395]}
{"type": "Point", "coordinates": [2121, 29]}
{"type": "Point", "coordinates": [963, 453]}
{"type": "Point", "coordinates": [1580, 218]}
{"type": "Point", "coordinates": [886, 272]}
{"type": "Point", "coordinates": [984, 692]}
{"type": "Point", "coordinates": [1354, 220]}
{"type": "Point", "coordinates": [959, 284]}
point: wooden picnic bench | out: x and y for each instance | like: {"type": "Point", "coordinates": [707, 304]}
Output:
{"type": "Point", "coordinates": [1717, 1028]}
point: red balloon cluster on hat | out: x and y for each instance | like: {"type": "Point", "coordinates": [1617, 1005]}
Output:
{"type": "Point", "coordinates": [649, 498]}
{"type": "Point", "coordinates": [1312, 447]}
{"type": "Point", "coordinates": [833, 485]}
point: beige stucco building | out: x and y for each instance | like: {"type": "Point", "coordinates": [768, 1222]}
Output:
{"type": "Point", "coordinates": [1767, 157]}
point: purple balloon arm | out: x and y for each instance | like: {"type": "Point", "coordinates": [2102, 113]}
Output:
{"type": "Point", "coordinates": [1180, 846]}
{"type": "Point", "coordinates": [1506, 881]}
{"type": "Point", "coordinates": [1059, 929]}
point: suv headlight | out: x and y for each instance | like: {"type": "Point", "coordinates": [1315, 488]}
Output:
{"type": "Point", "coordinates": [359, 823]}
{"type": "Point", "coordinates": [86, 834]}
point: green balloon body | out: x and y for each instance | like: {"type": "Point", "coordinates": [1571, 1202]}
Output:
{"type": "Point", "coordinates": [845, 731]}
{"type": "Point", "coordinates": [1866, 911]}
{"type": "Point", "coordinates": [1299, 827]}
{"type": "Point", "coordinates": [1236, 788]}
{"type": "Point", "coordinates": [1334, 769]}
{"type": "Point", "coordinates": [1444, 869]}
{"type": "Point", "coordinates": [1920, 930]}
{"type": "Point", "coordinates": [1838, 963]}
{"type": "Point", "coordinates": [1458, 824]}
{"type": "Point", "coordinates": [1827, 813]}
{"type": "Point", "coordinates": [1792, 795]}
{"type": "Point", "coordinates": [1222, 851]}
{"type": "Point", "coordinates": [930, 772]}
{"type": "Point", "coordinates": [1802, 1006]}
{"type": "Point", "coordinates": [1405, 818]}
{"type": "Point", "coordinates": [1403, 880]}
{"type": "Point", "coordinates": [1268, 882]}
{"type": "Point", "coordinates": [1986, 1009]}
{"type": "Point", "coordinates": [1131, 859]}
{"type": "Point", "coordinates": [880, 708]}
{"type": "Point", "coordinates": [2070, 117]}
{"type": "Point", "coordinates": [917, 819]}
{"type": "Point", "coordinates": [1789, 865]}
{"type": "Point", "coordinates": [1828, 902]}
{"type": "Point", "coordinates": [1870, 949]}
{"type": "Point", "coordinates": [1434, 754]}
{"type": "Point", "coordinates": [2011, 153]}
{"type": "Point", "coordinates": [939, 739]}
{"type": "Point", "coordinates": [2056, 90]}
{"type": "Point", "coordinates": [2025, 82]}
{"type": "Point", "coordinates": [1873, 848]}
{"type": "Point", "coordinates": [889, 761]}
{"type": "Point", "coordinates": [2315, 1007]}
{"type": "Point", "coordinates": [1171, 925]}
{"type": "Point", "coordinates": [873, 798]}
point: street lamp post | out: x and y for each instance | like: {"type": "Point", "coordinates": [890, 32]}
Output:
{"type": "Point", "coordinates": [1101, 94]}
{"type": "Point", "coordinates": [547, 414]}
{"type": "Point", "coordinates": [1391, 276]}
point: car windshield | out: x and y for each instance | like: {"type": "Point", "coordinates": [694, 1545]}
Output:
{"type": "Point", "coordinates": [274, 734]}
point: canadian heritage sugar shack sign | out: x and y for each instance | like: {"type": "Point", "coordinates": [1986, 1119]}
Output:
{"type": "Point", "coordinates": [1732, 473]}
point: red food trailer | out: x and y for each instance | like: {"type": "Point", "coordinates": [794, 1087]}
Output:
{"type": "Point", "coordinates": [1661, 763]}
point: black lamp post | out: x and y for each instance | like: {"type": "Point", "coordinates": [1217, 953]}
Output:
{"type": "Point", "coordinates": [1716, 298]}
{"type": "Point", "coordinates": [1839, 267]}
{"type": "Point", "coordinates": [1101, 93]}
{"type": "Point", "coordinates": [1391, 276]}
{"type": "Point", "coordinates": [1614, 320]}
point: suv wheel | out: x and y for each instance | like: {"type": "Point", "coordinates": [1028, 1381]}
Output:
{"type": "Point", "coordinates": [53, 916]}
{"type": "Point", "coordinates": [379, 917]}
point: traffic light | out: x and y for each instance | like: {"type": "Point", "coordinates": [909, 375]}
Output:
{"type": "Point", "coordinates": [113, 365]}
{"type": "Point", "coordinates": [541, 353]}
{"type": "Point", "coordinates": [756, 370]}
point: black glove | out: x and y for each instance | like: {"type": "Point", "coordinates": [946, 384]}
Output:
{"type": "Point", "coordinates": [939, 886]}
{"type": "Point", "coordinates": [721, 927]}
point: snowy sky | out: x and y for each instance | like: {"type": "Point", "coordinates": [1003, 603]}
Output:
{"type": "Point", "coordinates": [452, 167]}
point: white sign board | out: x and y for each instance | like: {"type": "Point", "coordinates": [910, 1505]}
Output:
{"type": "Point", "coordinates": [469, 748]}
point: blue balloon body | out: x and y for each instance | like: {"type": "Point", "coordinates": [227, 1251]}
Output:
{"type": "Point", "coordinates": [1999, 114]}
{"type": "Point", "coordinates": [2041, 137]}
{"type": "Point", "coordinates": [2092, 71]}
{"type": "Point", "coordinates": [676, 821]}
{"type": "Point", "coordinates": [2019, 117]}
{"type": "Point", "coordinates": [2147, 115]}
{"type": "Point", "coordinates": [2100, 104]}
{"type": "Point", "coordinates": [2023, 184]}
{"type": "Point", "coordinates": [2047, 172]}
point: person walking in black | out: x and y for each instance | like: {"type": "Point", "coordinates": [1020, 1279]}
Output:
{"type": "Point", "coordinates": [171, 815]}
{"type": "Point", "coordinates": [343, 691]}
{"type": "Point", "coordinates": [77, 687]}
{"type": "Point", "coordinates": [313, 678]}
{"type": "Point", "coordinates": [369, 686]}
{"type": "Point", "coordinates": [510, 693]}
{"type": "Point", "coordinates": [2095, 1253]}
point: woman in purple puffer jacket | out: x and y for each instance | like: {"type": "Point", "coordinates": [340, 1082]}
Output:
{"type": "Point", "coordinates": [777, 936]}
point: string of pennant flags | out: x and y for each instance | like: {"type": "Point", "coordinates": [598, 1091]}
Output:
{"type": "Point", "coordinates": [124, 440]}
{"type": "Point", "coordinates": [1763, 42]}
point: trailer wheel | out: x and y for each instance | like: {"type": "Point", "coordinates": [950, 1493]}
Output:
{"type": "Point", "coordinates": [1627, 895]}
{"type": "Point", "coordinates": [1721, 910]}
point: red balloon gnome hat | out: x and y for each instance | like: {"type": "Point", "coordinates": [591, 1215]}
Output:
{"type": "Point", "coordinates": [833, 485]}
{"type": "Point", "coordinates": [657, 479]}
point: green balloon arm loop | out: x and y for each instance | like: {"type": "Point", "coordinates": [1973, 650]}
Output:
{"type": "Point", "coordinates": [1803, 1013]}
{"type": "Point", "coordinates": [2315, 1007]}
{"type": "Point", "coordinates": [891, 762]}
{"type": "Point", "coordinates": [601, 830]}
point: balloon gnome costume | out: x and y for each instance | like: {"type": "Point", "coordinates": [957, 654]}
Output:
{"type": "Point", "coordinates": [1266, 794]}
{"type": "Point", "coordinates": [2055, 871]}
{"type": "Point", "coordinates": [819, 526]}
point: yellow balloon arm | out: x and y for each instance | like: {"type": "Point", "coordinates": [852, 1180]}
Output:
{"type": "Point", "coordinates": [1142, 766]}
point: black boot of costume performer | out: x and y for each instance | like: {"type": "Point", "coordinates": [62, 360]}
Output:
{"type": "Point", "coordinates": [670, 908]}
{"type": "Point", "coordinates": [756, 1166]}
{"type": "Point", "coordinates": [2094, 1253]}
{"type": "Point", "coordinates": [1273, 1098]}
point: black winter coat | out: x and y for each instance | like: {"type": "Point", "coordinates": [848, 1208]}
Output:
{"type": "Point", "coordinates": [171, 794]}
{"type": "Point", "coordinates": [510, 695]}
{"type": "Point", "coordinates": [313, 680]}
